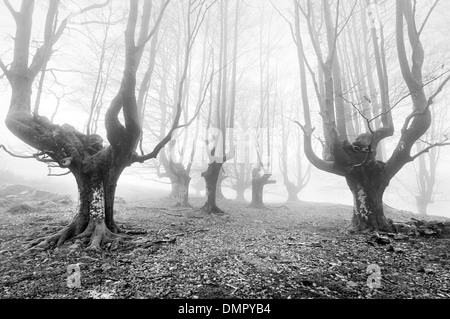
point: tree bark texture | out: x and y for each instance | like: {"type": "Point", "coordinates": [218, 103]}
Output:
{"type": "Point", "coordinates": [258, 183]}
{"type": "Point", "coordinates": [211, 176]}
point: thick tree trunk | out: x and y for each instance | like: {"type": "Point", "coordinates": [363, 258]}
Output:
{"type": "Point", "coordinates": [258, 183]}
{"type": "Point", "coordinates": [181, 189]}
{"type": "Point", "coordinates": [168, 173]}
{"type": "Point", "coordinates": [173, 188]}
{"type": "Point", "coordinates": [257, 194]}
{"type": "Point", "coordinates": [219, 193]}
{"type": "Point", "coordinates": [211, 176]}
{"type": "Point", "coordinates": [110, 185]}
{"type": "Point", "coordinates": [96, 168]}
{"type": "Point", "coordinates": [94, 222]}
{"type": "Point", "coordinates": [242, 180]}
{"type": "Point", "coordinates": [97, 207]}
{"type": "Point", "coordinates": [368, 184]}
{"type": "Point", "coordinates": [292, 191]}
{"type": "Point", "coordinates": [180, 184]}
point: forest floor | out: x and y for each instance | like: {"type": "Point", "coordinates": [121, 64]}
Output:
{"type": "Point", "coordinates": [290, 251]}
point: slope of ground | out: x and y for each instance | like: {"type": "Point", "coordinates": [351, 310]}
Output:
{"type": "Point", "coordinates": [292, 251]}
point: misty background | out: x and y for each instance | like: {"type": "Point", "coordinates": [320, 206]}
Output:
{"type": "Point", "coordinates": [279, 55]}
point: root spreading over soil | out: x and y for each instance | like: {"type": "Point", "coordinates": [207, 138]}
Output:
{"type": "Point", "coordinates": [294, 251]}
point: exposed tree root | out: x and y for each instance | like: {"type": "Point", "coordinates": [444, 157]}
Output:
{"type": "Point", "coordinates": [212, 209]}
{"type": "Point", "coordinates": [57, 239]}
{"type": "Point", "coordinates": [96, 235]}
{"type": "Point", "coordinates": [363, 226]}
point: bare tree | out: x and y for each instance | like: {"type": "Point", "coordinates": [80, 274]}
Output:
{"type": "Point", "coordinates": [366, 176]}
{"type": "Point", "coordinates": [96, 167]}
{"type": "Point", "coordinates": [224, 116]}
{"type": "Point", "coordinates": [426, 174]}
{"type": "Point", "coordinates": [175, 169]}
{"type": "Point", "coordinates": [261, 173]}
{"type": "Point", "coordinates": [240, 169]}
{"type": "Point", "coordinates": [240, 179]}
{"type": "Point", "coordinates": [295, 178]}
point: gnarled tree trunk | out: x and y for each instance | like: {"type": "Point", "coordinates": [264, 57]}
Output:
{"type": "Point", "coordinates": [366, 177]}
{"type": "Point", "coordinates": [258, 183]}
{"type": "Point", "coordinates": [241, 175]}
{"type": "Point", "coordinates": [96, 168]}
{"type": "Point", "coordinates": [211, 176]}
{"type": "Point", "coordinates": [292, 191]}
{"type": "Point", "coordinates": [180, 186]}
{"type": "Point", "coordinates": [96, 194]}
{"type": "Point", "coordinates": [368, 184]}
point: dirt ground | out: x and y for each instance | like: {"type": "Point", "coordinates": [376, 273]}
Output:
{"type": "Point", "coordinates": [291, 251]}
